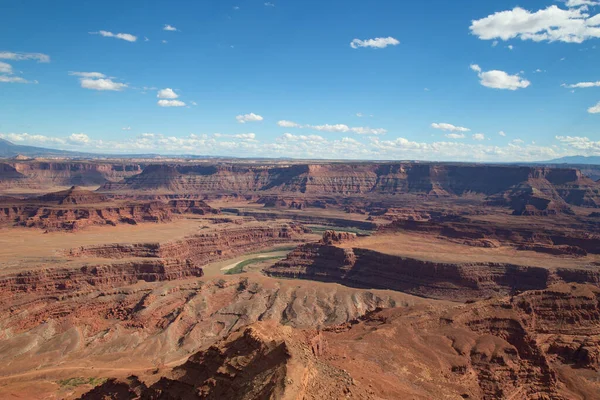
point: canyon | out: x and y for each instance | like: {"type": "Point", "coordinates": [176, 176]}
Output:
{"type": "Point", "coordinates": [129, 279]}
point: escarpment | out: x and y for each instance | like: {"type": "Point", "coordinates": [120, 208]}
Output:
{"type": "Point", "coordinates": [201, 248]}
{"type": "Point", "coordinates": [505, 183]}
{"type": "Point", "coordinates": [364, 268]}
{"type": "Point", "coordinates": [77, 208]}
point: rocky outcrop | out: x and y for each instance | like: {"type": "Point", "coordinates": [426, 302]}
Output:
{"type": "Point", "coordinates": [37, 174]}
{"type": "Point", "coordinates": [547, 240]}
{"type": "Point", "coordinates": [535, 345]}
{"type": "Point", "coordinates": [200, 249]}
{"type": "Point", "coordinates": [54, 281]}
{"type": "Point", "coordinates": [77, 208]}
{"type": "Point", "coordinates": [364, 268]}
{"type": "Point", "coordinates": [263, 361]}
{"type": "Point", "coordinates": [434, 180]}
{"type": "Point", "coordinates": [73, 218]}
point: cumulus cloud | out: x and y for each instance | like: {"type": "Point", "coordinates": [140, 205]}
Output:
{"type": "Point", "coordinates": [552, 24]}
{"type": "Point", "coordinates": [501, 133]}
{"type": "Point", "coordinates": [288, 124]}
{"type": "Point", "coordinates": [167, 93]}
{"type": "Point", "coordinates": [242, 119]}
{"type": "Point", "coordinates": [499, 79]}
{"type": "Point", "coordinates": [7, 55]}
{"type": "Point", "coordinates": [78, 139]}
{"type": "Point", "coordinates": [580, 144]}
{"type": "Point", "coordinates": [168, 27]}
{"type": "Point", "coordinates": [123, 36]}
{"type": "Point", "coordinates": [91, 75]}
{"type": "Point", "coordinates": [478, 136]}
{"type": "Point", "coordinates": [581, 85]}
{"type": "Point", "coordinates": [102, 84]}
{"type": "Point", "coordinates": [171, 103]}
{"type": "Point", "coordinates": [455, 135]}
{"type": "Point", "coordinates": [594, 109]}
{"type": "Point", "coordinates": [449, 127]}
{"type": "Point", "coordinates": [377, 43]}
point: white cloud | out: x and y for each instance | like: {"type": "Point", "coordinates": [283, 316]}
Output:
{"type": "Point", "coordinates": [242, 119]}
{"type": "Point", "coordinates": [455, 135]}
{"type": "Point", "coordinates": [360, 130]}
{"type": "Point", "coordinates": [269, 4]}
{"type": "Point", "coordinates": [123, 36]}
{"type": "Point", "coordinates": [377, 43]}
{"type": "Point", "coordinates": [168, 27]}
{"type": "Point", "coordinates": [552, 24]}
{"type": "Point", "coordinates": [517, 141]}
{"type": "Point", "coordinates": [449, 127]}
{"type": "Point", "coordinates": [501, 133]}
{"type": "Point", "coordinates": [579, 3]}
{"type": "Point", "coordinates": [499, 79]}
{"type": "Point", "coordinates": [102, 84]}
{"type": "Point", "coordinates": [171, 103]}
{"type": "Point", "coordinates": [127, 128]}
{"type": "Point", "coordinates": [245, 136]}
{"type": "Point", "coordinates": [193, 103]}
{"type": "Point", "coordinates": [359, 115]}
{"type": "Point", "coordinates": [510, 47]}
{"type": "Point", "coordinates": [5, 68]}
{"type": "Point", "coordinates": [334, 128]}
{"type": "Point", "coordinates": [288, 124]}
{"type": "Point", "coordinates": [582, 85]}
{"type": "Point", "coordinates": [330, 128]}
{"type": "Point", "coordinates": [13, 79]}
{"type": "Point", "coordinates": [91, 75]}
{"type": "Point", "coordinates": [478, 136]}
{"type": "Point", "coordinates": [78, 139]}
{"type": "Point", "coordinates": [594, 109]}
{"type": "Point", "coordinates": [580, 144]}
{"type": "Point", "coordinates": [164, 42]}
{"type": "Point", "coordinates": [7, 55]}
{"type": "Point", "coordinates": [167, 93]}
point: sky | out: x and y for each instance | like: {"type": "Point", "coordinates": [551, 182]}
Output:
{"type": "Point", "coordinates": [434, 80]}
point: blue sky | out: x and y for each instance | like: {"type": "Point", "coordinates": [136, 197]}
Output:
{"type": "Point", "coordinates": [436, 80]}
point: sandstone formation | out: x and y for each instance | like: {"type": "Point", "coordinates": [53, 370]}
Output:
{"type": "Point", "coordinates": [363, 268]}
{"type": "Point", "coordinates": [433, 180]}
{"type": "Point", "coordinates": [536, 345]}
{"type": "Point", "coordinates": [77, 208]}
{"type": "Point", "coordinates": [38, 174]}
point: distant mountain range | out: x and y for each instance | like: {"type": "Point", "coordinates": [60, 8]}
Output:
{"type": "Point", "coordinates": [591, 160]}
{"type": "Point", "coordinates": [8, 149]}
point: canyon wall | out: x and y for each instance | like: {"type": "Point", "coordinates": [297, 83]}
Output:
{"type": "Point", "coordinates": [564, 185]}
{"type": "Point", "coordinates": [364, 268]}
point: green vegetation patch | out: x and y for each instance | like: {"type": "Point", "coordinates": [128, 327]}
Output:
{"type": "Point", "coordinates": [78, 381]}
{"type": "Point", "coordinates": [238, 269]}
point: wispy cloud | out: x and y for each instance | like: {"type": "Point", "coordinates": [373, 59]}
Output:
{"type": "Point", "coordinates": [449, 127]}
{"type": "Point", "coordinates": [168, 27]}
{"type": "Point", "coordinates": [581, 85]}
{"type": "Point", "coordinates": [102, 84]}
{"type": "Point", "coordinates": [334, 128]}
{"type": "Point", "coordinates": [7, 55]}
{"type": "Point", "coordinates": [377, 43]}
{"type": "Point", "coordinates": [92, 75]}
{"type": "Point", "coordinates": [123, 36]}
{"type": "Point", "coordinates": [171, 103]}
